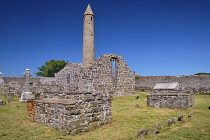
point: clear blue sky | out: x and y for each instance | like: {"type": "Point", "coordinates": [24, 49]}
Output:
{"type": "Point", "coordinates": [155, 37]}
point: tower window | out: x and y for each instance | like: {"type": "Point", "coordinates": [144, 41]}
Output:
{"type": "Point", "coordinates": [68, 78]}
{"type": "Point", "coordinates": [91, 18]}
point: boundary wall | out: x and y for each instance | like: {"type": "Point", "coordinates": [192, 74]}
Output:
{"type": "Point", "coordinates": [195, 83]}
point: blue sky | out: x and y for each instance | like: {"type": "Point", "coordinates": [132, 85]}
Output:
{"type": "Point", "coordinates": [155, 37]}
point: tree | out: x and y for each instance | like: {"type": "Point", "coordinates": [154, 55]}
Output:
{"type": "Point", "coordinates": [202, 73]}
{"type": "Point", "coordinates": [51, 67]}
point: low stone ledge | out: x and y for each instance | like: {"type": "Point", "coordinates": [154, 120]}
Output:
{"type": "Point", "coordinates": [56, 101]}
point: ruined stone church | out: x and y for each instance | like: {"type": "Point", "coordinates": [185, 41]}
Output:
{"type": "Point", "coordinates": [109, 73]}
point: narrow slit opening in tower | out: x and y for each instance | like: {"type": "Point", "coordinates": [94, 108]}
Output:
{"type": "Point", "coordinates": [68, 78]}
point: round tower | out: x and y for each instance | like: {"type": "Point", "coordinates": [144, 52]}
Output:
{"type": "Point", "coordinates": [88, 38]}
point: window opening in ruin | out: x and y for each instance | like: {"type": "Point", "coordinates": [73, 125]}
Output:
{"type": "Point", "coordinates": [180, 86]}
{"type": "Point", "coordinates": [114, 67]}
{"type": "Point", "coordinates": [91, 18]}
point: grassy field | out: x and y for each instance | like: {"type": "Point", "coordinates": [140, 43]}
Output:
{"type": "Point", "coordinates": [127, 119]}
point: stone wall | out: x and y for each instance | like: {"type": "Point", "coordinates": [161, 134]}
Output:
{"type": "Point", "coordinates": [32, 80]}
{"type": "Point", "coordinates": [197, 83]}
{"type": "Point", "coordinates": [37, 84]}
{"type": "Point", "coordinates": [100, 76]}
{"type": "Point", "coordinates": [20, 80]}
{"type": "Point", "coordinates": [17, 84]}
{"type": "Point", "coordinates": [173, 101]}
{"type": "Point", "coordinates": [78, 112]}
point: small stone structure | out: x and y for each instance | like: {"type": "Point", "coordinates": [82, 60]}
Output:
{"type": "Point", "coordinates": [170, 95]}
{"type": "Point", "coordinates": [77, 112]}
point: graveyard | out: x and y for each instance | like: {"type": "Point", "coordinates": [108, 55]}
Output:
{"type": "Point", "coordinates": [126, 121]}
{"type": "Point", "coordinates": [103, 99]}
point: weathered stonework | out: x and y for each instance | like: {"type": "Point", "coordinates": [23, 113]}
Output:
{"type": "Point", "coordinates": [173, 101]}
{"type": "Point", "coordinates": [36, 84]}
{"type": "Point", "coordinates": [195, 83]}
{"type": "Point", "coordinates": [78, 112]}
{"type": "Point", "coordinates": [99, 77]}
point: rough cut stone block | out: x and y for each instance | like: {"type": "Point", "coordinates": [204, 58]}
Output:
{"type": "Point", "coordinates": [180, 117]}
{"type": "Point", "coordinates": [142, 133]}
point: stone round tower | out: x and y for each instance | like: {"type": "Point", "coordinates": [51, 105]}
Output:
{"type": "Point", "coordinates": [88, 38]}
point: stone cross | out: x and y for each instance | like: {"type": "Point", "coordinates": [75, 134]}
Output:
{"type": "Point", "coordinates": [27, 74]}
{"type": "Point", "coordinates": [1, 81]}
{"type": "Point", "coordinates": [26, 94]}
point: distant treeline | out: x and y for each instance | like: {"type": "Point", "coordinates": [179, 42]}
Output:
{"type": "Point", "coordinates": [202, 73]}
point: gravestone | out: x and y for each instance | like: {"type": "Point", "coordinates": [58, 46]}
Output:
{"type": "Point", "coordinates": [26, 94]}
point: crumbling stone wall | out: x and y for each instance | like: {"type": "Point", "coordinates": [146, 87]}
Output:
{"type": "Point", "coordinates": [173, 101]}
{"type": "Point", "coordinates": [100, 76]}
{"type": "Point", "coordinates": [37, 84]}
{"type": "Point", "coordinates": [17, 84]}
{"type": "Point", "coordinates": [196, 83]}
{"type": "Point", "coordinates": [78, 112]}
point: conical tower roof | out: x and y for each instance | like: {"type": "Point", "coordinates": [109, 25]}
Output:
{"type": "Point", "coordinates": [88, 10]}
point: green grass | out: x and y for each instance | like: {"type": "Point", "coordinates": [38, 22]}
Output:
{"type": "Point", "coordinates": [127, 119]}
